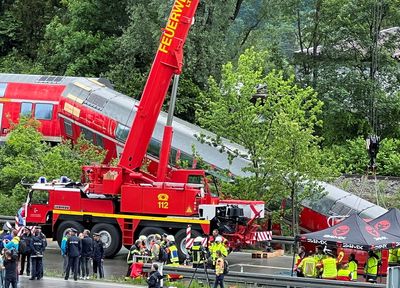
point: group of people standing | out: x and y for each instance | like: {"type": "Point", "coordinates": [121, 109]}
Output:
{"type": "Point", "coordinates": [161, 250]}
{"type": "Point", "coordinates": [326, 264]}
{"type": "Point", "coordinates": [20, 252]}
{"type": "Point", "coordinates": [78, 250]}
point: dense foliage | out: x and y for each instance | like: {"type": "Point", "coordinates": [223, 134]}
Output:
{"type": "Point", "coordinates": [326, 67]}
{"type": "Point", "coordinates": [25, 157]}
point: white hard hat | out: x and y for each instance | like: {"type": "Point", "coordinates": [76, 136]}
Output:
{"type": "Point", "coordinates": [170, 238]}
{"type": "Point", "coordinates": [198, 239]}
{"type": "Point", "coordinates": [218, 239]}
{"type": "Point", "coordinates": [142, 238]}
{"type": "Point", "coordinates": [7, 226]}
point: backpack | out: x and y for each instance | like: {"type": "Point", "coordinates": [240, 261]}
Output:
{"type": "Point", "coordinates": [226, 267]}
{"type": "Point", "coordinates": [162, 254]}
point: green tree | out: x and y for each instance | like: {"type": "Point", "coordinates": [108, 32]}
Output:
{"type": "Point", "coordinates": [25, 157]}
{"type": "Point", "coordinates": [277, 129]}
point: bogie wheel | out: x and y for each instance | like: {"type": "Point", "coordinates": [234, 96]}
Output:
{"type": "Point", "coordinates": [64, 226]}
{"type": "Point", "coordinates": [111, 238]}
{"type": "Point", "coordinates": [149, 232]}
{"type": "Point", "coordinates": [180, 241]}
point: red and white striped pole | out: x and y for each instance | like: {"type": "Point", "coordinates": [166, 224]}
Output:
{"type": "Point", "coordinates": [188, 236]}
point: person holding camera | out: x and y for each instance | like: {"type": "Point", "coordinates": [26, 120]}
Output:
{"type": "Point", "coordinates": [198, 253]}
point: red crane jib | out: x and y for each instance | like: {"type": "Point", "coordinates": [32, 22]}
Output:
{"type": "Point", "coordinates": [168, 61]}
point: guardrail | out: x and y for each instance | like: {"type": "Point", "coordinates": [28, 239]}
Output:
{"type": "Point", "coordinates": [4, 219]}
{"type": "Point", "coordinates": [264, 280]}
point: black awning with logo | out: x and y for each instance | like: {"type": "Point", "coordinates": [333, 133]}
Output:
{"type": "Point", "coordinates": [353, 233]}
{"type": "Point", "coordinates": [388, 222]}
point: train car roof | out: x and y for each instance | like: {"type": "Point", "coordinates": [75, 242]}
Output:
{"type": "Point", "coordinates": [338, 202]}
{"type": "Point", "coordinates": [36, 79]}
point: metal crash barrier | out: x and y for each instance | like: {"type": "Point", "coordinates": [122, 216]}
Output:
{"type": "Point", "coordinates": [265, 280]}
{"type": "Point", "coordinates": [393, 278]}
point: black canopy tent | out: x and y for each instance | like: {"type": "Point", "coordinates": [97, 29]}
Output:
{"type": "Point", "coordinates": [388, 222]}
{"type": "Point", "coordinates": [352, 233]}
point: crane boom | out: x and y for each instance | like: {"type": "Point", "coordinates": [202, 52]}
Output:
{"type": "Point", "coordinates": [168, 61]}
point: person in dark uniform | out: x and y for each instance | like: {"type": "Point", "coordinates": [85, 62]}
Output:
{"type": "Point", "coordinates": [73, 251]}
{"type": "Point", "coordinates": [98, 256]}
{"type": "Point", "coordinates": [87, 250]}
{"type": "Point", "coordinates": [25, 251]}
{"type": "Point", "coordinates": [10, 266]}
{"type": "Point", "coordinates": [37, 247]}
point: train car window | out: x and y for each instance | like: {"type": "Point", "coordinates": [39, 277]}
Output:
{"type": "Point", "coordinates": [43, 111]}
{"type": "Point", "coordinates": [195, 179]}
{"type": "Point", "coordinates": [68, 128]}
{"type": "Point", "coordinates": [99, 140]}
{"type": "Point", "coordinates": [3, 87]}
{"type": "Point", "coordinates": [87, 134]}
{"type": "Point", "coordinates": [26, 109]}
{"type": "Point", "coordinates": [154, 148]}
{"type": "Point", "coordinates": [121, 133]}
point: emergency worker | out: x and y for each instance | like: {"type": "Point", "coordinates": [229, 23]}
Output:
{"type": "Point", "coordinates": [173, 257]}
{"type": "Point", "coordinates": [86, 254]}
{"type": "Point", "coordinates": [308, 267]}
{"type": "Point", "coordinates": [155, 255]}
{"type": "Point", "coordinates": [343, 273]}
{"type": "Point", "coordinates": [319, 256]}
{"type": "Point", "coordinates": [198, 253]}
{"type": "Point", "coordinates": [43, 237]}
{"type": "Point", "coordinates": [98, 256]}
{"type": "Point", "coordinates": [132, 257]}
{"type": "Point", "coordinates": [64, 250]}
{"type": "Point", "coordinates": [164, 240]}
{"type": "Point", "coordinates": [37, 246]}
{"type": "Point", "coordinates": [353, 267]}
{"type": "Point", "coordinates": [213, 237]}
{"type": "Point", "coordinates": [73, 251]}
{"type": "Point", "coordinates": [299, 257]}
{"type": "Point", "coordinates": [217, 245]}
{"type": "Point", "coordinates": [25, 251]}
{"type": "Point", "coordinates": [393, 256]}
{"type": "Point", "coordinates": [329, 266]}
{"type": "Point", "coordinates": [371, 267]}
{"type": "Point", "coordinates": [143, 247]}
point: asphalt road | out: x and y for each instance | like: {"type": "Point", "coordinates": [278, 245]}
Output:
{"type": "Point", "coordinates": [117, 267]}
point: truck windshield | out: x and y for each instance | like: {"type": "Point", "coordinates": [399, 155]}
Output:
{"type": "Point", "coordinates": [38, 197]}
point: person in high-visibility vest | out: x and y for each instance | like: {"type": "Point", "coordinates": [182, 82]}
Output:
{"type": "Point", "coordinates": [353, 266]}
{"type": "Point", "coordinates": [217, 246]}
{"type": "Point", "coordinates": [173, 257]}
{"type": "Point", "coordinates": [393, 256]}
{"type": "Point", "coordinates": [319, 256]}
{"type": "Point", "coordinates": [134, 251]}
{"type": "Point", "coordinates": [329, 267]}
{"type": "Point", "coordinates": [308, 267]}
{"type": "Point", "coordinates": [371, 267]}
{"type": "Point", "coordinates": [198, 253]}
{"type": "Point", "coordinates": [299, 257]}
{"type": "Point", "coordinates": [343, 273]}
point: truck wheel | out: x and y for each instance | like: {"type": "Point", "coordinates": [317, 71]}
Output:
{"type": "Point", "coordinates": [149, 232]}
{"type": "Point", "coordinates": [111, 238]}
{"type": "Point", "coordinates": [64, 226]}
{"type": "Point", "coordinates": [180, 241]}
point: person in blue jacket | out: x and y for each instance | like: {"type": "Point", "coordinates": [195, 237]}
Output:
{"type": "Point", "coordinates": [64, 250]}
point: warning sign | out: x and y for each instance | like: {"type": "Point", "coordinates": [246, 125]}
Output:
{"type": "Point", "coordinates": [189, 210]}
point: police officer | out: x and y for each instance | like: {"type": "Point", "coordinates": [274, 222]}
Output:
{"type": "Point", "coordinates": [73, 251]}
{"type": "Point", "coordinates": [37, 247]}
{"type": "Point", "coordinates": [87, 250]}
{"type": "Point", "coordinates": [98, 256]}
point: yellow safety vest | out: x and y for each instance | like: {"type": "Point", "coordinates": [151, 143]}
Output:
{"type": "Point", "coordinates": [329, 268]}
{"type": "Point", "coordinates": [353, 270]}
{"type": "Point", "coordinates": [344, 273]}
{"type": "Point", "coordinates": [309, 267]}
{"type": "Point", "coordinates": [393, 256]}
{"type": "Point", "coordinates": [215, 247]}
{"type": "Point", "coordinates": [197, 258]}
{"type": "Point", "coordinates": [174, 257]}
{"type": "Point", "coordinates": [372, 266]}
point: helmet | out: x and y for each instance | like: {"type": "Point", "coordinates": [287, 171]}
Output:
{"type": "Point", "coordinates": [198, 239]}
{"type": "Point", "coordinates": [218, 239]}
{"type": "Point", "coordinates": [170, 238]}
{"type": "Point", "coordinates": [157, 236]}
{"type": "Point", "coordinates": [142, 238]}
{"type": "Point", "coordinates": [7, 226]}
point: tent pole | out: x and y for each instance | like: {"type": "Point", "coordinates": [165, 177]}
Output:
{"type": "Point", "coordinates": [294, 255]}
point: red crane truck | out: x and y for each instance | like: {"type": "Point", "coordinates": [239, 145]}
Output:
{"type": "Point", "coordinates": [124, 202]}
